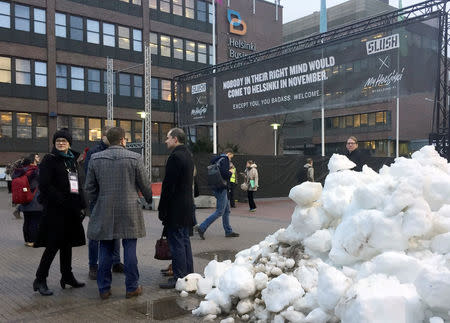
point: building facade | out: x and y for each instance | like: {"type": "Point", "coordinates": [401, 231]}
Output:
{"type": "Point", "coordinates": [53, 64]}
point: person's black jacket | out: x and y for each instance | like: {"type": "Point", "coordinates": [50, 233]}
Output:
{"type": "Point", "coordinates": [224, 166]}
{"type": "Point", "coordinates": [358, 157]}
{"type": "Point", "coordinates": [61, 224]}
{"type": "Point", "coordinates": [176, 203]}
{"type": "Point", "coordinates": [96, 149]}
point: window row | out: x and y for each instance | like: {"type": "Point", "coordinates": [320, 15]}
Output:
{"type": "Point", "coordinates": [136, 2]}
{"type": "Point", "coordinates": [21, 17]}
{"type": "Point", "coordinates": [191, 9]}
{"type": "Point", "coordinates": [179, 48]}
{"type": "Point", "coordinates": [97, 32]}
{"type": "Point", "coordinates": [23, 71]}
{"type": "Point", "coordinates": [356, 120]}
{"type": "Point", "coordinates": [23, 125]}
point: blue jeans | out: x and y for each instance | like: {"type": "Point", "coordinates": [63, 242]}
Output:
{"type": "Point", "coordinates": [93, 252]}
{"type": "Point", "coordinates": [104, 275]}
{"type": "Point", "coordinates": [180, 248]}
{"type": "Point", "coordinates": [222, 209]}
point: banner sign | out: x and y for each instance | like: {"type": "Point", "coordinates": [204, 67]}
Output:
{"type": "Point", "coordinates": [371, 68]}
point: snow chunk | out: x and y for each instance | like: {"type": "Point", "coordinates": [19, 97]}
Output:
{"type": "Point", "coordinates": [331, 287]}
{"type": "Point", "coordinates": [188, 283]}
{"type": "Point", "coordinates": [434, 288]}
{"type": "Point", "coordinates": [281, 292]}
{"type": "Point", "coordinates": [306, 193]}
{"type": "Point", "coordinates": [339, 162]}
{"type": "Point", "coordinates": [242, 287]}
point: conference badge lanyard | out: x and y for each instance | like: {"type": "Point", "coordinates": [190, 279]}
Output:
{"type": "Point", "coordinates": [73, 180]}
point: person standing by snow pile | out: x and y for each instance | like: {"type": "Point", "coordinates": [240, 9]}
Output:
{"type": "Point", "coordinates": [368, 247]}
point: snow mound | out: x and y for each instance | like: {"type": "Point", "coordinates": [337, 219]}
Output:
{"type": "Point", "coordinates": [368, 247]}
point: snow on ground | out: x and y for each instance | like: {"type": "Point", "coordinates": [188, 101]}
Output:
{"type": "Point", "coordinates": [368, 247]}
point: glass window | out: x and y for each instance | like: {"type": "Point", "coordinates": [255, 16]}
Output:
{"type": "Point", "coordinates": [137, 130]}
{"type": "Point", "coordinates": [126, 125]}
{"type": "Point", "coordinates": [105, 82]}
{"type": "Point", "coordinates": [189, 11]}
{"type": "Point", "coordinates": [93, 31]}
{"type": "Point", "coordinates": [177, 7]}
{"type": "Point", "coordinates": [164, 5]}
{"type": "Point", "coordinates": [137, 2]}
{"type": "Point", "coordinates": [95, 129]}
{"type": "Point", "coordinates": [124, 84]}
{"type": "Point", "coordinates": [201, 10]}
{"type": "Point", "coordinates": [5, 15]}
{"type": "Point", "coordinates": [152, 4]}
{"type": "Point", "coordinates": [137, 86]}
{"type": "Point", "coordinates": [109, 35]}
{"type": "Point", "coordinates": [137, 40]}
{"type": "Point", "coordinates": [155, 88]}
{"type": "Point", "coordinates": [371, 119]}
{"type": "Point", "coordinates": [154, 43]}
{"type": "Point", "coordinates": [211, 13]}
{"type": "Point", "coordinates": [23, 71]}
{"type": "Point", "coordinates": [124, 37]}
{"type": "Point", "coordinates": [357, 120]}
{"type": "Point", "coordinates": [380, 117]}
{"type": "Point", "coordinates": [39, 21]}
{"type": "Point", "coordinates": [60, 25]}
{"type": "Point", "coordinates": [22, 17]}
{"type": "Point", "coordinates": [166, 90]}
{"type": "Point", "coordinates": [349, 121]}
{"type": "Point", "coordinates": [76, 78]}
{"type": "Point", "coordinates": [5, 124]}
{"type": "Point", "coordinates": [165, 46]}
{"type": "Point", "coordinates": [201, 55]}
{"type": "Point", "coordinates": [211, 58]}
{"type": "Point", "coordinates": [364, 119]}
{"type": "Point", "coordinates": [93, 80]}
{"type": "Point", "coordinates": [155, 132]}
{"type": "Point", "coordinates": [78, 128]}
{"type": "Point", "coordinates": [178, 48]}
{"type": "Point", "coordinates": [23, 125]}
{"type": "Point", "coordinates": [76, 28]}
{"type": "Point", "coordinates": [62, 122]}
{"type": "Point", "coordinates": [40, 74]}
{"type": "Point", "coordinates": [190, 51]}
{"type": "Point", "coordinates": [5, 70]}
{"type": "Point", "coordinates": [165, 128]}
{"type": "Point", "coordinates": [61, 76]}
{"type": "Point", "coordinates": [41, 126]}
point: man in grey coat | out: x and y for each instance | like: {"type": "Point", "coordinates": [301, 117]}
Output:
{"type": "Point", "coordinates": [114, 178]}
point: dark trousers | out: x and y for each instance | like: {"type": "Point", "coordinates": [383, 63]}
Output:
{"type": "Point", "coordinates": [9, 183]}
{"type": "Point", "coordinates": [105, 262]}
{"type": "Point", "coordinates": [251, 201]}
{"type": "Point", "coordinates": [180, 247]}
{"type": "Point", "coordinates": [30, 225]}
{"type": "Point", "coordinates": [231, 188]}
{"type": "Point", "coordinates": [93, 247]}
{"type": "Point", "coordinates": [65, 260]}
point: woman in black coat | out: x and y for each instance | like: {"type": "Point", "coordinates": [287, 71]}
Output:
{"type": "Point", "coordinates": [61, 226]}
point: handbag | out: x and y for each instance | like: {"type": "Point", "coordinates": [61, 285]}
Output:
{"type": "Point", "coordinates": [244, 186]}
{"type": "Point", "coordinates": [162, 250]}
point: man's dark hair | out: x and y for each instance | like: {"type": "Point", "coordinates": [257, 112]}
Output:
{"type": "Point", "coordinates": [179, 134]}
{"type": "Point", "coordinates": [114, 135]}
{"type": "Point", "coordinates": [228, 150]}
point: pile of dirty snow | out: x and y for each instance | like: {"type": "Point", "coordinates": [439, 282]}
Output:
{"type": "Point", "coordinates": [368, 247]}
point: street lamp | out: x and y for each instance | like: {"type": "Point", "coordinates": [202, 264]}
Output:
{"type": "Point", "coordinates": [275, 133]}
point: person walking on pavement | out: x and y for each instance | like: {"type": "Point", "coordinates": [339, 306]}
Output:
{"type": "Point", "coordinates": [309, 170]}
{"type": "Point", "coordinates": [222, 203]}
{"type": "Point", "coordinates": [61, 226]}
{"type": "Point", "coordinates": [176, 205]}
{"type": "Point", "coordinates": [232, 185]}
{"type": "Point", "coordinates": [93, 244]}
{"type": "Point", "coordinates": [251, 178]}
{"type": "Point", "coordinates": [32, 211]}
{"type": "Point", "coordinates": [115, 177]}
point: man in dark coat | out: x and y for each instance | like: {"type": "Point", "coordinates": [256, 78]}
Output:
{"type": "Point", "coordinates": [114, 179]}
{"type": "Point", "coordinates": [93, 244]}
{"type": "Point", "coordinates": [354, 154]}
{"type": "Point", "coordinates": [176, 205]}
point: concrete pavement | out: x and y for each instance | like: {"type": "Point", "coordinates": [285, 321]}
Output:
{"type": "Point", "coordinates": [18, 265]}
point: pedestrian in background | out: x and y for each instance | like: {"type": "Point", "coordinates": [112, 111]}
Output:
{"type": "Point", "coordinates": [32, 211]}
{"type": "Point", "coordinates": [251, 178]}
{"type": "Point", "coordinates": [93, 244]}
{"type": "Point", "coordinates": [354, 154]}
{"type": "Point", "coordinates": [221, 195]}
{"type": "Point", "coordinates": [62, 198]}
{"type": "Point", "coordinates": [309, 170]}
{"type": "Point", "coordinates": [176, 205]}
{"type": "Point", "coordinates": [232, 185]}
{"type": "Point", "coordinates": [115, 177]}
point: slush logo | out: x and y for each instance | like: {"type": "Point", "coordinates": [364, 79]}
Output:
{"type": "Point", "coordinates": [237, 25]}
{"type": "Point", "coordinates": [198, 88]}
{"type": "Point", "coordinates": [383, 44]}
{"type": "Point", "coordinates": [199, 112]}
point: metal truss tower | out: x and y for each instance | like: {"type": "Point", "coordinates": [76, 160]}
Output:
{"type": "Point", "coordinates": [148, 110]}
{"type": "Point", "coordinates": [109, 91]}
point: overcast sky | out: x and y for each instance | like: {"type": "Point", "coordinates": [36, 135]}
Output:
{"type": "Point", "coordinates": [293, 9]}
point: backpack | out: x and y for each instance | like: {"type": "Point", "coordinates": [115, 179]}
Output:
{"type": "Point", "coordinates": [21, 191]}
{"type": "Point", "coordinates": [215, 179]}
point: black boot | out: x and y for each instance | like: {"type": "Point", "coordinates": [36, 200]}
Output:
{"type": "Point", "coordinates": [71, 281]}
{"type": "Point", "coordinates": [41, 286]}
